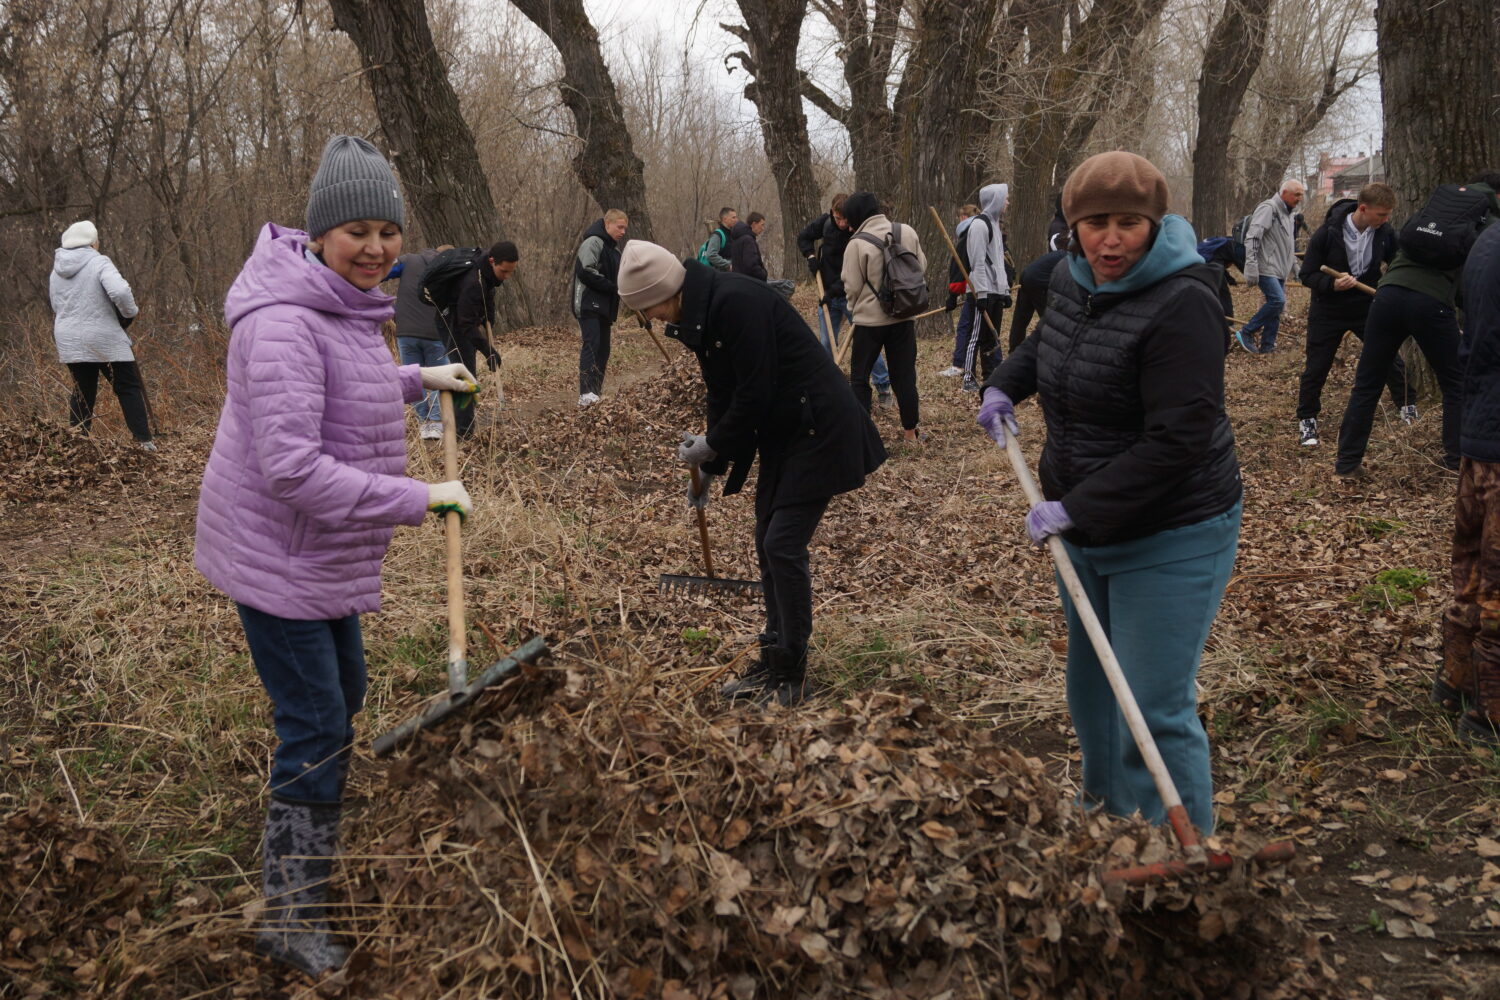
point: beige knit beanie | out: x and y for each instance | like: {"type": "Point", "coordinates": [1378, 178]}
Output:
{"type": "Point", "coordinates": [1115, 182]}
{"type": "Point", "coordinates": [649, 275]}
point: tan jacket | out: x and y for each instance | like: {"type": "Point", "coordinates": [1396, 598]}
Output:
{"type": "Point", "coordinates": [864, 263]}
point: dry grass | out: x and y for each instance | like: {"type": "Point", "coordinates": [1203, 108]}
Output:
{"type": "Point", "coordinates": [127, 687]}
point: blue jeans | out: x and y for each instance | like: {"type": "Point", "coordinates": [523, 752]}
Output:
{"type": "Point", "coordinates": [424, 352]}
{"type": "Point", "coordinates": [1267, 318]}
{"type": "Point", "coordinates": [1156, 598]}
{"type": "Point", "coordinates": [838, 311]}
{"type": "Point", "coordinates": [314, 672]}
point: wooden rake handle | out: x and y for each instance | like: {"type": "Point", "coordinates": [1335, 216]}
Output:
{"type": "Point", "coordinates": [1340, 274]}
{"type": "Point", "coordinates": [1139, 731]}
{"type": "Point", "coordinates": [708, 559]}
{"type": "Point", "coordinates": [458, 665]}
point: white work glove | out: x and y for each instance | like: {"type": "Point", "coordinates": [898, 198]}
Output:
{"type": "Point", "coordinates": [453, 378]}
{"type": "Point", "coordinates": [699, 498]}
{"type": "Point", "coordinates": [449, 496]}
{"type": "Point", "coordinates": [694, 449]}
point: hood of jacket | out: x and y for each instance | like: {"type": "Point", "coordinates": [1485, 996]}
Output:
{"type": "Point", "coordinates": [596, 228]}
{"type": "Point", "coordinates": [1340, 210]}
{"type": "Point", "coordinates": [1175, 249]}
{"type": "Point", "coordinates": [741, 229]}
{"type": "Point", "coordinates": [279, 272]}
{"type": "Point", "coordinates": [992, 200]}
{"type": "Point", "coordinates": [963, 226]}
{"type": "Point", "coordinates": [69, 262]}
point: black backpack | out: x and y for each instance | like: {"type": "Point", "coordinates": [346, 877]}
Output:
{"type": "Point", "coordinates": [1237, 241]}
{"type": "Point", "coordinates": [903, 286]}
{"type": "Point", "coordinates": [1441, 234]}
{"type": "Point", "coordinates": [446, 271]}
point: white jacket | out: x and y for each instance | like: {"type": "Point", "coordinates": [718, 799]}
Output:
{"type": "Point", "coordinates": [86, 289]}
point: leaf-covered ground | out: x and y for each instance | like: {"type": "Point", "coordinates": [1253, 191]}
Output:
{"type": "Point", "coordinates": [605, 828]}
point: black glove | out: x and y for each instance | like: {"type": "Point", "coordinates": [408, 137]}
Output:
{"type": "Point", "coordinates": [812, 264]}
{"type": "Point", "coordinates": [493, 361]}
{"type": "Point", "coordinates": [1004, 298]}
{"type": "Point", "coordinates": [951, 304]}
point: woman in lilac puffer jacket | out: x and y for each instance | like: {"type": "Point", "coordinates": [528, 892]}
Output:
{"type": "Point", "coordinates": [301, 495]}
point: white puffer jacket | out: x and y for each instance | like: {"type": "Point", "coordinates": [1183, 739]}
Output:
{"type": "Point", "coordinates": [86, 290]}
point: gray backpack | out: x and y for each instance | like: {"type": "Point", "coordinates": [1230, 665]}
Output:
{"type": "Point", "coordinates": [903, 286]}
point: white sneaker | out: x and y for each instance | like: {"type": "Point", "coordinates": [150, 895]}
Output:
{"type": "Point", "coordinates": [147, 445]}
{"type": "Point", "coordinates": [1409, 414]}
{"type": "Point", "coordinates": [1308, 432]}
{"type": "Point", "coordinates": [431, 430]}
{"type": "Point", "coordinates": [588, 399]}
{"type": "Point", "coordinates": [952, 371]}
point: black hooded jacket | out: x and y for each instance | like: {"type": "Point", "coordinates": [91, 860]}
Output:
{"type": "Point", "coordinates": [773, 391]}
{"type": "Point", "coordinates": [596, 267]}
{"type": "Point", "coordinates": [1326, 246]}
{"type": "Point", "coordinates": [744, 252]}
{"type": "Point", "coordinates": [822, 238]}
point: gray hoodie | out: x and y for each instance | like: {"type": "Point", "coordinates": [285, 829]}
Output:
{"type": "Point", "coordinates": [986, 246]}
{"type": "Point", "coordinates": [86, 289]}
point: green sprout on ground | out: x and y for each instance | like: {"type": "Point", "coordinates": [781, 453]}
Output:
{"type": "Point", "coordinates": [1392, 588]}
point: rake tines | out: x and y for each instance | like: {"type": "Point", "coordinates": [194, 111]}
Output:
{"type": "Point", "coordinates": [669, 583]}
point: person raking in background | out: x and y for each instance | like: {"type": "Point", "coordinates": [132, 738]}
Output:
{"type": "Point", "coordinates": [303, 487]}
{"type": "Point", "coordinates": [93, 305]}
{"type": "Point", "coordinates": [1139, 470]}
{"type": "Point", "coordinates": [774, 394]}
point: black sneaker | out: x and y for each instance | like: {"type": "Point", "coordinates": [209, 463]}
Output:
{"type": "Point", "coordinates": [786, 684]}
{"type": "Point", "coordinates": [752, 680]}
{"type": "Point", "coordinates": [1308, 433]}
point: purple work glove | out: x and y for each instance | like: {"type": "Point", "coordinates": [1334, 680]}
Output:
{"type": "Point", "coordinates": [997, 414]}
{"type": "Point", "coordinates": [1046, 519]}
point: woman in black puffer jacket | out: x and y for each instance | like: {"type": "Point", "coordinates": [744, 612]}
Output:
{"type": "Point", "coordinates": [1139, 469]}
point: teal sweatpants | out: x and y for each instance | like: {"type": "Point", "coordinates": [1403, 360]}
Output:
{"type": "Point", "coordinates": [1156, 598]}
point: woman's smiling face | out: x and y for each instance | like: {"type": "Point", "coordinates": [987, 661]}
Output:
{"type": "Point", "coordinates": [362, 252]}
{"type": "Point", "coordinates": [1113, 244]}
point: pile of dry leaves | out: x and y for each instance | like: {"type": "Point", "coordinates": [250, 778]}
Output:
{"type": "Point", "coordinates": [602, 843]}
{"type": "Point", "coordinates": [67, 892]}
{"type": "Point", "coordinates": [49, 462]}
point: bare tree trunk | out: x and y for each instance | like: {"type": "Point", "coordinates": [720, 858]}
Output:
{"type": "Point", "coordinates": [1440, 89]}
{"type": "Point", "coordinates": [1234, 53]}
{"type": "Point", "coordinates": [937, 105]}
{"type": "Point", "coordinates": [431, 144]}
{"type": "Point", "coordinates": [869, 44]}
{"type": "Point", "coordinates": [771, 34]}
{"type": "Point", "coordinates": [606, 165]}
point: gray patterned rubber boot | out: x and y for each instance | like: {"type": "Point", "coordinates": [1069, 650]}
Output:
{"type": "Point", "coordinates": [296, 864]}
{"type": "Point", "coordinates": [753, 679]}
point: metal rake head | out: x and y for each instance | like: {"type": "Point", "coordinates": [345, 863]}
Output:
{"type": "Point", "coordinates": [669, 583]}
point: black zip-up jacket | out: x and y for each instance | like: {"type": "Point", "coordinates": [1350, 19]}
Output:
{"type": "Point", "coordinates": [773, 391]}
{"type": "Point", "coordinates": [1326, 246]}
{"type": "Point", "coordinates": [1132, 391]}
{"type": "Point", "coordinates": [596, 268]}
{"type": "Point", "coordinates": [476, 307]}
{"type": "Point", "coordinates": [1479, 349]}
{"type": "Point", "coordinates": [744, 252]}
{"type": "Point", "coordinates": [822, 238]}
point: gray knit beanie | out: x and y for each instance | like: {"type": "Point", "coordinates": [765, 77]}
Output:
{"type": "Point", "coordinates": [353, 182]}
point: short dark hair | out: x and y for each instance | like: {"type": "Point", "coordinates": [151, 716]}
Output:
{"type": "Point", "coordinates": [1491, 178]}
{"type": "Point", "coordinates": [504, 252]}
{"type": "Point", "coordinates": [753, 218]}
{"type": "Point", "coordinates": [724, 211]}
{"type": "Point", "coordinates": [837, 205]}
{"type": "Point", "coordinates": [859, 206]}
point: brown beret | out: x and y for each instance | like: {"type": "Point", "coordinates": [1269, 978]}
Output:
{"type": "Point", "coordinates": [1115, 182]}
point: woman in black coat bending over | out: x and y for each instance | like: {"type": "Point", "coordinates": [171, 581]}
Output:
{"type": "Point", "coordinates": [773, 391]}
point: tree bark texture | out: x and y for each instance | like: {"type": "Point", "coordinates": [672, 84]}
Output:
{"type": "Point", "coordinates": [607, 164]}
{"type": "Point", "coordinates": [1234, 52]}
{"type": "Point", "coordinates": [771, 34]}
{"type": "Point", "coordinates": [1440, 89]}
{"type": "Point", "coordinates": [938, 108]}
{"type": "Point", "coordinates": [868, 36]}
{"type": "Point", "coordinates": [1071, 67]}
{"type": "Point", "coordinates": [431, 145]}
